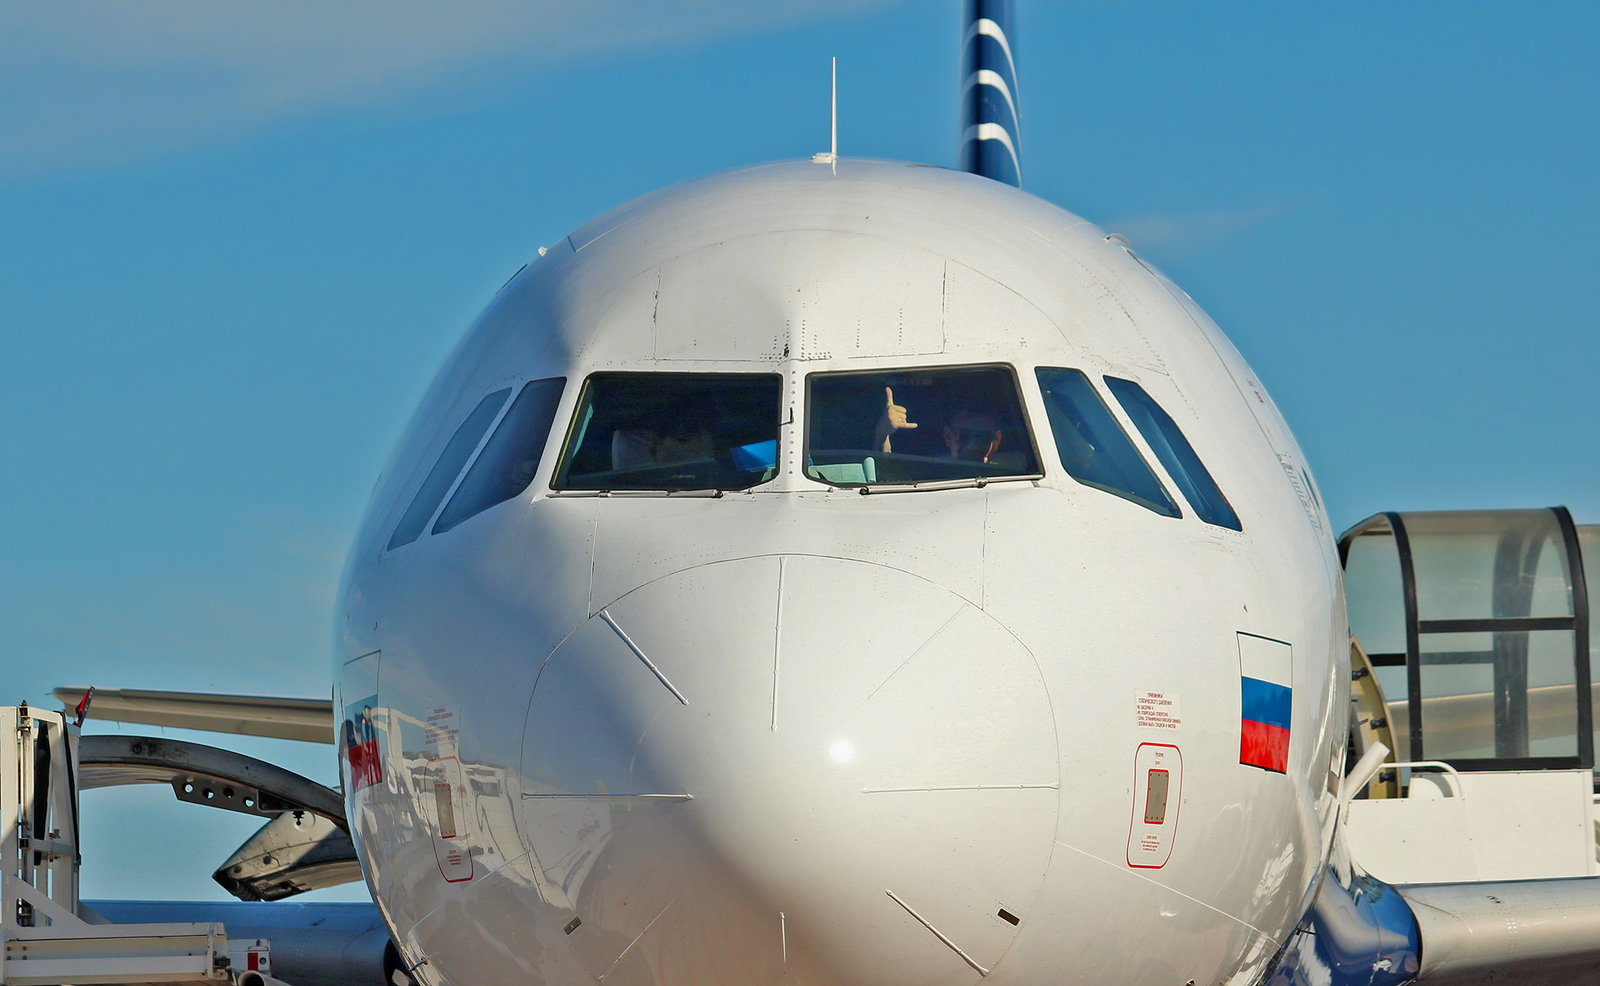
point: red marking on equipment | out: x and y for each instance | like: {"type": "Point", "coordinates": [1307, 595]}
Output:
{"type": "Point", "coordinates": [1264, 746]}
{"type": "Point", "coordinates": [1150, 843]}
{"type": "Point", "coordinates": [454, 855]}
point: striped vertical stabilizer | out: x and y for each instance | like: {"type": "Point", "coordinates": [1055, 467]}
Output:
{"type": "Point", "coordinates": [991, 120]}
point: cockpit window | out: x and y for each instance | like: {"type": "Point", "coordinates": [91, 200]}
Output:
{"type": "Point", "coordinates": [1093, 447]}
{"type": "Point", "coordinates": [444, 472]}
{"type": "Point", "coordinates": [917, 426]}
{"type": "Point", "coordinates": [1176, 454]}
{"type": "Point", "coordinates": [509, 459]}
{"type": "Point", "coordinates": [673, 431]}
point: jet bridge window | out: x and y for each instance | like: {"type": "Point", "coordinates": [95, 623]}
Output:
{"type": "Point", "coordinates": [1477, 624]}
{"type": "Point", "coordinates": [444, 472]}
{"type": "Point", "coordinates": [510, 458]}
{"type": "Point", "coordinates": [1176, 454]}
{"type": "Point", "coordinates": [673, 431]}
{"type": "Point", "coordinates": [916, 426]}
{"type": "Point", "coordinates": [1093, 447]}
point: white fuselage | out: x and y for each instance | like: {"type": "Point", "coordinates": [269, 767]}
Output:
{"type": "Point", "coordinates": [867, 724]}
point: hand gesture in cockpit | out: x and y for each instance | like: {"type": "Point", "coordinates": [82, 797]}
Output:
{"type": "Point", "coordinates": [894, 419]}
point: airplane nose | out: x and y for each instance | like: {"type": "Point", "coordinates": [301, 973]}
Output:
{"type": "Point", "coordinates": [790, 768]}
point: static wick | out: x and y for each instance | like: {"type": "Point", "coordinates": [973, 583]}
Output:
{"type": "Point", "coordinates": [830, 157]}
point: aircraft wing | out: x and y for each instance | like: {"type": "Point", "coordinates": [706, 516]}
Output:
{"type": "Point", "coordinates": [307, 719]}
{"type": "Point", "coordinates": [1531, 932]}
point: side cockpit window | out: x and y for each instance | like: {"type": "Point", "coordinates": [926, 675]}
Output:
{"type": "Point", "coordinates": [930, 425]}
{"type": "Point", "coordinates": [510, 458]}
{"type": "Point", "coordinates": [1094, 449]}
{"type": "Point", "coordinates": [444, 472]}
{"type": "Point", "coordinates": [673, 431]}
{"type": "Point", "coordinates": [1177, 456]}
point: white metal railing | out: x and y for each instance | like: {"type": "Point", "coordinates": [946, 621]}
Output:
{"type": "Point", "coordinates": [43, 937]}
{"type": "Point", "coordinates": [1460, 788]}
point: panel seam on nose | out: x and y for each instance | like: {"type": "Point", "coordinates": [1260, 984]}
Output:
{"type": "Point", "coordinates": [969, 960]}
{"type": "Point", "coordinates": [777, 642]}
{"type": "Point", "coordinates": [625, 951]}
{"type": "Point", "coordinates": [604, 615]}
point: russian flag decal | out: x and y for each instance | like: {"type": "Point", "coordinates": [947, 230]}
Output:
{"type": "Point", "coordinates": [1266, 702]}
{"type": "Point", "coordinates": [360, 742]}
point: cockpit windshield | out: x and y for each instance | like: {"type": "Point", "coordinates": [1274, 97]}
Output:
{"type": "Point", "coordinates": [673, 431]}
{"type": "Point", "coordinates": [917, 426]}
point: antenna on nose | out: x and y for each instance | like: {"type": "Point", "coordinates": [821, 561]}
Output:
{"type": "Point", "coordinates": [830, 156]}
{"type": "Point", "coordinates": [991, 122]}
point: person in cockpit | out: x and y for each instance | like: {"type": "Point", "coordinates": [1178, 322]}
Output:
{"type": "Point", "coordinates": [972, 434]}
{"type": "Point", "coordinates": [674, 434]}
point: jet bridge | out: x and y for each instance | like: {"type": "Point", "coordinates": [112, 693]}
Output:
{"type": "Point", "coordinates": [1473, 665]}
{"type": "Point", "coordinates": [48, 935]}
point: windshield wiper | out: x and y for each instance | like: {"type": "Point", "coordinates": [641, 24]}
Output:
{"type": "Point", "coordinates": [976, 482]}
{"type": "Point", "coordinates": [714, 494]}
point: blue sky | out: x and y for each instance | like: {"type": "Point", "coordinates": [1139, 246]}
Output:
{"type": "Point", "coordinates": [236, 241]}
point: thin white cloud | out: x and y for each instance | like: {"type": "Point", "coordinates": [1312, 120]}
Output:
{"type": "Point", "coordinates": [97, 81]}
{"type": "Point", "coordinates": [1194, 231]}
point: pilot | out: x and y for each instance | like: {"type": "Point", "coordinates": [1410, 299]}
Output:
{"type": "Point", "coordinates": [674, 434]}
{"type": "Point", "coordinates": [684, 440]}
{"type": "Point", "coordinates": [972, 434]}
{"type": "Point", "coordinates": [523, 470]}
